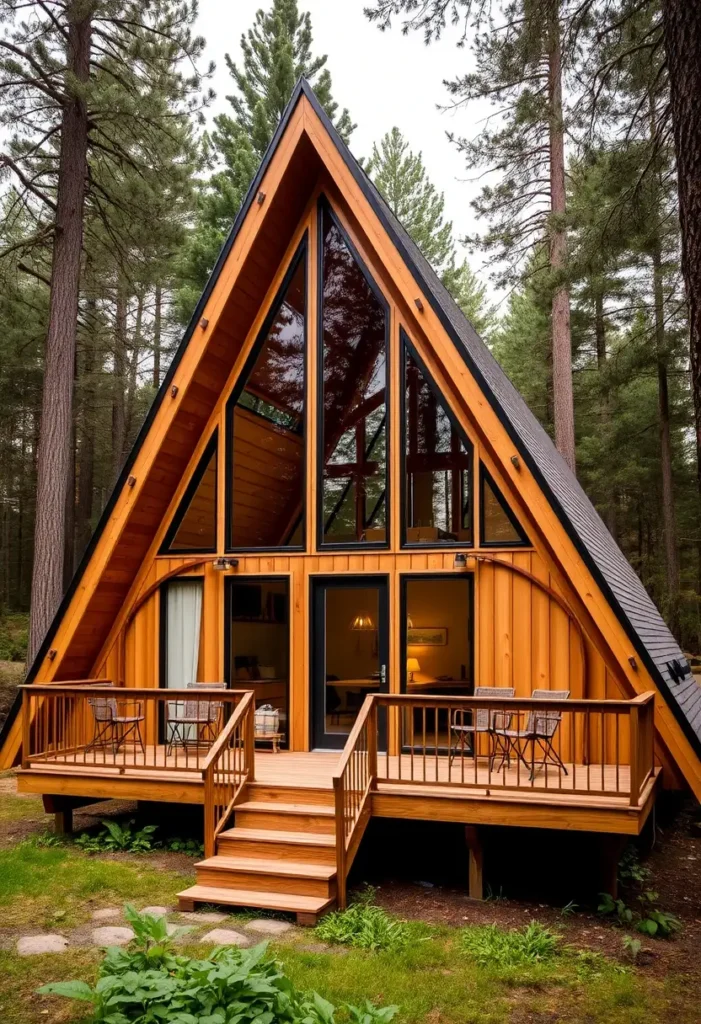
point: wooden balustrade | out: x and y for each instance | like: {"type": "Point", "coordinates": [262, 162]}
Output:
{"type": "Point", "coordinates": [93, 724]}
{"type": "Point", "coordinates": [353, 782]}
{"type": "Point", "coordinates": [228, 767]}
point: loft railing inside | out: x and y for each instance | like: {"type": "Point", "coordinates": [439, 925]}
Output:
{"type": "Point", "coordinates": [353, 782]}
{"type": "Point", "coordinates": [229, 766]}
{"type": "Point", "coordinates": [93, 724]}
{"type": "Point", "coordinates": [590, 748]}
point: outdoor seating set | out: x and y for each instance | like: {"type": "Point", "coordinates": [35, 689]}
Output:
{"type": "Point", "coordinates": [118, 720]}
{"type": "Point", "coordinates": [506, 737]}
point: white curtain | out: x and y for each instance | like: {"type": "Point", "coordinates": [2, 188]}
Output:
{"type": "Point", "coordinates": [183, 623]}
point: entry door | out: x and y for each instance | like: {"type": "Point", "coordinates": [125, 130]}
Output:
{"type": "Point", "coordinates": [350, 651]}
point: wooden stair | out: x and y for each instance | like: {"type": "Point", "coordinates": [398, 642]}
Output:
{"type": "Point", "coordinates": [279, 855]}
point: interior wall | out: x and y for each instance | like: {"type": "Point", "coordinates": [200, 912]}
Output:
{"type": "Point", "coordinates": [444, 603]}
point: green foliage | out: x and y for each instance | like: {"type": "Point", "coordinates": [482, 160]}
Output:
{"type": "Point", "coordinates": [569, 909]}
{"type": "Point", "coordinates": [148, 982]}
{"type": "Point", "coordinates": [631, 946]}
{"type": "Point", "coordinates": [610, 906]}
{"type": "Point", "coordinates": [14, 632]}
{"type": "Point", "coordinates": [364, 926]}
{"type": "Point", "coordinates": [630, 869]}
{"type": "Point", "coordinates": [649, 920]}
{"type": "Point", "coordinates": [489, 945]}
{"type": "Point", "coordinates": [116, 837]}
{"type": "Point", "coordinates": [192, 847]}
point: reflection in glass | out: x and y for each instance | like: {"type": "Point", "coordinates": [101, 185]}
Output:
{"type": "Point", "coordinates": [260, 645]}
{"type": "Point", "coordinates": [267, 440]}
{"type": "Point", "coordinates": [352, 667]}
{"type": "Point", "coordinates": [197, 530]}
{"type": "Point", "coordinates": [438, 467]}
{"type": "Point", "coordinates": [354, 434]}
{"type": "Point", "coordinates": [497, 525]}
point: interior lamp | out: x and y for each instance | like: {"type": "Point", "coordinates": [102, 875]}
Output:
{"type": "Point", "coordinates": [412, 665]}
{"type": "Point", "coordinates": [362, 622]}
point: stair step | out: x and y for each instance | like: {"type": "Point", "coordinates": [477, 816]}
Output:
{"type": "Point", "coordinates": [307, 908]}
{"type": "Point", "coordinates": [290, 794]}
{"type": "Point", "coordinates": [268, 843]}
{"type": "Point", "coordinates": [259, 874]}
{"type": "Point", "coordinates": [260, 814]}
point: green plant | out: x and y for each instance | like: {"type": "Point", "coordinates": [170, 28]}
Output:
{"type": "Point", "coordinates": [630, 869]}
{"type": "Point", "coordinates": [192, 847]}
{"type": "Point", "coordinates": [658, 924]}
{"type": "Point", "coordinates": [489, 945]}
{"type": "Point", "coordinates": [609, 906]}
{"type": "Point", "coordinates": [569, 909]}
{"type": "Point", "coordinates": [148, 982]}
{"type": "Point", "coordinates": [115, 837]}
{"type": "Point", "coordinates": [650, 920]}
{"type": "Point", "coordinates": [632, 946]}
{"type": "Point", "coordinates": [363, 925]}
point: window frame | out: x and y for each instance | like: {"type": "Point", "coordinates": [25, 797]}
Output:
{"type": "Point", "coordinates": [407, 346]}
{"type": "Point", "coordinates": [324, 208]}
{"type": "Point", "coordinates": [211, 448]}
{"type": "Point", "coordinates": [301, 254]}
{"type": "Point", "coordinates": [523, 542]}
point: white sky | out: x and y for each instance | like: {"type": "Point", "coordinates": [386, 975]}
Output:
{"type": "Point", "coordinates": [384, 78]}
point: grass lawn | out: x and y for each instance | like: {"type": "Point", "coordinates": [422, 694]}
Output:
{"type": "Point", "coordinates": [57, 888]}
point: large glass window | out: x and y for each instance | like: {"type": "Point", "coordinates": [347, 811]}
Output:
{"type": "Point", "coordinates": [194, 526]}
{"type": "Point", "coordinates": [437, 464]}
{"type": "Point", "coordinates": [266, 429]}
{"type": "Point", "coordinates": [499, 525]}
{"type": "Point", "coordinates": [258, 655]}
{"type": "Point", "coordinates": [354, 398]}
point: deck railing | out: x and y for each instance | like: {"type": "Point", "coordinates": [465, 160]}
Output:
{"type": "Point", "coordinates": [569, 747]}
{"type": "Point", "coordinates": [353, 782]}
{"type": "Point", "coordinates": [95, 725]}
{"type": "Point", "coordinates": [227, 769]}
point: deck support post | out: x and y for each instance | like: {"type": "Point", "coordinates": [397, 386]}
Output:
{"type": "Point", "coordinates": [62, 808]}
{"type": "Point", "coordinates": [476, 862]}
{"type": "Point", "coordinates": [612, 847]}
{"type": "Point", "coordinates": [63, 821]}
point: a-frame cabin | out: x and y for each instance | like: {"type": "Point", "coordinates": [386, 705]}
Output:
{"type": "Point", "coordinates": [339, 506]}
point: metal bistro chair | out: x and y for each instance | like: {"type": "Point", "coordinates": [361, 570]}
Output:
{"type": "Point", "coordinates": [200, 715]}
{"type": "Point", "coordinates": [483, 720]}
{"type": "Point", "coordinates": [540, 731]}
{"type": "Point", "coordinates": [113, 728]}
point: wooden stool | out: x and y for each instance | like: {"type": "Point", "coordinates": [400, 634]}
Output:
{"type": "Point", "coordinates": [270, 737]}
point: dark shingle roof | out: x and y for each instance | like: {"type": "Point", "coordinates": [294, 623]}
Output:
{"type": "Point", "coordinates": [647, 630]}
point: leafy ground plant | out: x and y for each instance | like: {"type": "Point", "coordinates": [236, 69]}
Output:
{"type": "Point", "coordinates": [364, 925]}
{"type": "Point", "coordinates": [148, 982]}
{"type": "Point", "coordinates": [649, 920]}
{"type": "Point", "coordinates": [489, 945]}
{"type": "Point", "coordinates": [116, 837]}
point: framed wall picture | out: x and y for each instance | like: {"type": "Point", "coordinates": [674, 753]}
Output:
{"type": "Point", "coordinates": [427, 636]}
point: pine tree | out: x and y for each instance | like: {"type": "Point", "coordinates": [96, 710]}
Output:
{"type": "Point", "coordinates": [401, 177]}
{"type": "Point", "coordinates": [275, 52]}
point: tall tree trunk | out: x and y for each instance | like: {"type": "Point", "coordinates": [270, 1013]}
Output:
{"type": "Point", "coordinates": [53, 464]}
{"type": "Point", "coordinates": [601, 357]}
{"type": "Point", "coordinates": [157, 337]}
{"type": "Point", "coordinates": [69, 529]}
{"type": "Point", "coordinates": [668, 512]}
{"type": "Point", "coordinates": [119, 382]}
{"type": "Point", "coordinates": [682, 36]}
{"type": "Point", "coordinates": [133, 376]}
{"type": "Point", "coordinates": [87, 428]}
{"type": "Point", "coordinates": [563, 397]}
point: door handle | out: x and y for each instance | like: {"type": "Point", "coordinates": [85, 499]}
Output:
{"type": "Point", "coordinates": [383, 674]}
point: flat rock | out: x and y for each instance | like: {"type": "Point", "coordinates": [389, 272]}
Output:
{"type": "Point", "coordinates": [204, 916]}
{"type": "Point", "coordinates": [156, 911]}
{"type": "Point", "coordinates": [225, 937]}
{"type": "Point", "coordinates": [268, 926]}
{"type": "Point", "coordinates": [106, 914]}
{"type": "Point", "coordinates": [111, 936]}
{"type": "Point", "coordinates": [32, 945]}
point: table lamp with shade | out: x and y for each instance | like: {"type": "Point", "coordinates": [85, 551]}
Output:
{"type": "Point", "coordinates": [412, 665]}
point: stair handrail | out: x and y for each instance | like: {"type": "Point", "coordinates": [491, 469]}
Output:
{"type": "Point", "coordinates": [228, 767]}
{"type": "Point", "coordinates": [353, 782]}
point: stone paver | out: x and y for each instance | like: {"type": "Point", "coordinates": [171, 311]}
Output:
{"type": "Point", "coordinates": [106, 914]}
{"type": "Point", "coordinates": [156, 911]}
{"type": "Point", "coordinates": [31, 945]}
{"type": "Point", "coordinates": [267, 926]}
{"type": "Point", "coordinates": [111, 936]}
{"type": "Point", "coordinates": [225, 937]}
{"type": "Point", "coordinates": [204, 916]}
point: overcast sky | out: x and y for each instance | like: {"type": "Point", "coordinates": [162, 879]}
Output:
{"type": "Point", "coordinates": [384, 78]}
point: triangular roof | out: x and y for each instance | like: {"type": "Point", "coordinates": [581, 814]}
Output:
{"type": "Point", "coordinates": [646, 630]}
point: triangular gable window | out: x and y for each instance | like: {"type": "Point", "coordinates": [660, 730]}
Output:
{"type": "Point", "coordinates": [499, 525]}
{"type": "Point", "coordinates": [194, 526]}
{"type": "Point", "coordinates": [353, 358]}
{"type": "Point", "coordinates": [437, 462]}
{"type": "Point", "coordinates": [266, 425]}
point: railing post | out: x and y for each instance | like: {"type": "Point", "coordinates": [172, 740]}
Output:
{"type": "Point", "coordinates": [250, 740]}
{"type": "Point", "coordinates": [373, 721]}
{"type": "Point", "coordinates": [340, 842]}
{"type": "Point", "coordinates": [209, 823]}
{"type": "Point", "coordinates": [634, 754]}
{"type": "Point", "coordinates": [26, 726]}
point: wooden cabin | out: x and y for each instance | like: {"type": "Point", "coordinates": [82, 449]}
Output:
{"type": "Point", "coordinates": [340, 508]}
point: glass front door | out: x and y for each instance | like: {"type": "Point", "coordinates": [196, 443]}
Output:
{"type": "Point", "coordinates": [350, 653]}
